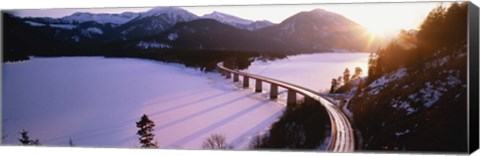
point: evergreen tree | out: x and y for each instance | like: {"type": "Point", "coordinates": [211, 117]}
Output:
{"type": "Point", "coordinates": [145, 132]}
{"type": "Point", "coordinates": [372, 68]}
{"type": "Point", "coordinates": [346, 76]}
{"type": "Point", "coordinates": [339, 81]}
{"type": "Point", "coordinates": [358, 72]}
{"type": "Point", "coordinates": [25, 139]}
{"type": "Point", "coordinates": [334, 86]}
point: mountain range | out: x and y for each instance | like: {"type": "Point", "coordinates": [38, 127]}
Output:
{"type": "Point", "coordinates": [175, 28]}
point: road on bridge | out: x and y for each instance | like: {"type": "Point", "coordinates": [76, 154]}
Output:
{"type": "Point", "coordinates": [342, 138]}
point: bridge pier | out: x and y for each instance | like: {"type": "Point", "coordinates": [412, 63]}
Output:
{"type": "Point", "coordinates": [273, 91]}
{"type": "Point", "coordinates": [228, 74]}
{"type": "Point", "coordinates": [291, 98]}
{"type": "Point", "coordinates": [235, 77]}
{"type": "Point", "coordinates": [258, 85]}
{"type": "Point", "coordinates": [245, 82]}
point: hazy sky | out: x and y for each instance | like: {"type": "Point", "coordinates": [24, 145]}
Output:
{"type": "Point", "coordinates": [376, 17]}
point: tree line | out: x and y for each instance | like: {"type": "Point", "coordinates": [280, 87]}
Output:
{"type": "Point", "coordinates": [301, 135]}
{"type": "Point", "coordinates": [346, 79]}
{"type": "Point", "coordinates": [146, 137]}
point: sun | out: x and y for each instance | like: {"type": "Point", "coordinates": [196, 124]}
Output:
{"type": "Point", "coordinates": [381, 29]}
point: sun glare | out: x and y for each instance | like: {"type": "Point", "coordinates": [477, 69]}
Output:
{"type": "Point", "coordinates": [381, 29]}
{"type": "Point", "coordinates": [382, 19]}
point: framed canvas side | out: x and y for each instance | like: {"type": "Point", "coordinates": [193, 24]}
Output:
{"type": "Point", "coordinates": [473, 76]}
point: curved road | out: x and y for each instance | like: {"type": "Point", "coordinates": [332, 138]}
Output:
{"type": "Point", "coordinates": [342, 138]}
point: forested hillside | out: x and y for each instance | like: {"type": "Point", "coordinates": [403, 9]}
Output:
{"type": "Point", "coordinates": [415, 96]}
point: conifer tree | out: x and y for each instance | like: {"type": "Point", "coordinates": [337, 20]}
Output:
{"type": "Point", "coordinates": [339, 81]}
{"type": "Point", "coordinates": [346, 76]}
{"type": "Point", "coordinates": [145, 132]}
{"type": "Point", "coordinates": [358, 72]}
{"type": "Point", "coordinates": [372, 67]}
{"type": "Point", "coordinates": [334, 86]}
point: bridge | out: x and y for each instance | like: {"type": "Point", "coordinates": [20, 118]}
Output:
{"type": "Point", "coordinates": [342, 138]}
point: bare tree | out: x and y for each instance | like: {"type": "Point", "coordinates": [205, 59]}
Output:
{"type": "Point", "coordinates": [25, 139]}
{"type": "Point", "coordinates": [215, 141]}
{"type": "Point", "coordinates": [257, 142]}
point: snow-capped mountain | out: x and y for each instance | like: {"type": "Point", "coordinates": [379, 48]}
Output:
{"type": "Point", "coordinates": [81, 27]}
{"type": "Point", "coordinates": [260, 25]}
{"type": "Point", "coordinates": [313, 31]}
{"type": "Point", "coordinates": [173, 14]}
{"type": "Point", "coordinates": [81, 17]}
{"type": "Point", "coordinates": [90, 32]}
{"type": "Point", "coordinates": [316, 30]}
{"type": "Point", "coordinates": [236, 21]}
{"type": "Point", "coordinates": [173, 27]}
{"type": "Point", "coordinates": [151, 22]}
{"type": "Point", "coordinates": [128, 25]}
{"type": "Point", "coordinates": [43, 20]}
{"type": "Point", "coordinates": [205, 34]}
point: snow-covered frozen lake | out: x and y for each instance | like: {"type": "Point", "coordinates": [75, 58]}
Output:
{"type": "Point", "coordinates": [313, 71]}
{"type": "Point", "coordinates": [96, 101]}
